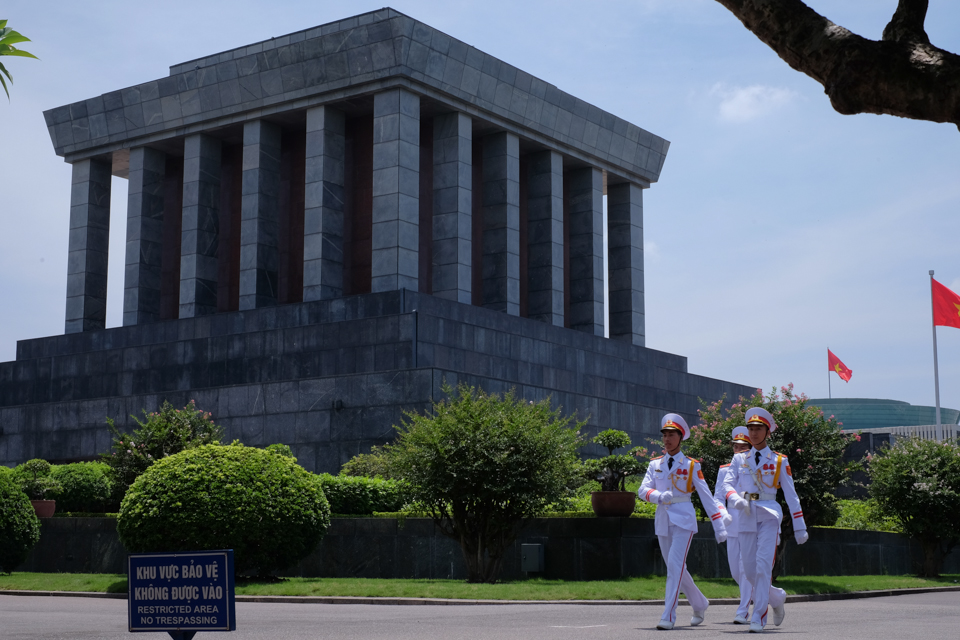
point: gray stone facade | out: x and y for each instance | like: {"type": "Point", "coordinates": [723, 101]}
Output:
{"type": "Point", "coordinates": [325, 226]}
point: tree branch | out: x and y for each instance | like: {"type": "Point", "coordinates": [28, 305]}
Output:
{"type": "Point", "coordinates": [906, 25]}
{"type": "Point", "coordinates": [901, 75]}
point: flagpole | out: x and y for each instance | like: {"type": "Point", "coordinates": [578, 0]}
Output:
{"type": "Point", "coordinates": [936, 372]}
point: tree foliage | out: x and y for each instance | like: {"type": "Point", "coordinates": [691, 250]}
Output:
{"type": "Point", "coordinates": [8, 38]}
{"type": "Point", "coordinates": [901, 74]}
{"type": "Point", "coordinates": [481, 464]}
{"type": "Point", "coordinates": [814, 444]}
{"type": "Point", "coordinates": [917, 482]}
{"type": "Point", "coordinates": [264, 506]}
{"type": "Point", "coordinates": [612, 470]}
{"type": "Point", "coordinates": [161, 434]}
{"type": "Point", "coordinates": [19, 525]}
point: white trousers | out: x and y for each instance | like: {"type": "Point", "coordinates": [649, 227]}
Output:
{"type": "Point", "coordinates": [674, 547]}
{"type": "Point", "coordinates": [758, 550]}
{"type": "Point", "coordinates": [736, 570]}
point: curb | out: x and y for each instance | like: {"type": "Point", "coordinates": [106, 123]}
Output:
{"type": "Point", "coordinates": [817, 597]}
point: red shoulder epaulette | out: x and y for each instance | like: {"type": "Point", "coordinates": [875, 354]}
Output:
{"type": "Point", "coordinates": [694, 459]}
{"type": "Point", "coordinates": [724, 465]}
{"type": "Point", "coordinates": [777, 453]}
{"type": "Point", "coordinates": [657, 458]}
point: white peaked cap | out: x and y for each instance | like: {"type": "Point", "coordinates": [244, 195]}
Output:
{"type": "Point", "coordinates": [674, 421]}
{"type": "Point", "coordinates": [741, 434]}
{"type": "Point", "coordinates": [757, 415]}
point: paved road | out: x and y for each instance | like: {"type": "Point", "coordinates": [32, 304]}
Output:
{"type": "Point", "coordinates": [927, 616]}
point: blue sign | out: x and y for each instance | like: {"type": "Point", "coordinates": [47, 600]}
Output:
{"type": "Point", "coordinates": [181, 593]}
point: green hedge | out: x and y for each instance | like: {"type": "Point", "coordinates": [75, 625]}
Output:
{"type": "Point", "coordinates": [85, 486]}
{"type": "Point", "coordinates": [19, 525]}
{"type": "Point", "coordinates": [265, 507]}
{"type": "Point", "coordinates": [356, 495]}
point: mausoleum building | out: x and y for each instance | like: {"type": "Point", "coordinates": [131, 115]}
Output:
{"type": "Point", "coordinates": [322, 227]}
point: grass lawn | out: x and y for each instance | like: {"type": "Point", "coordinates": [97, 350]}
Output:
{"type": "Point", "coordinates": [646, 588]}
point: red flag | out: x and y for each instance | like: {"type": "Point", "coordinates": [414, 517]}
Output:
{"type": "Point", "coordinates": [946, 305]}
{"type": "Point", "coordinates": [834, 364]}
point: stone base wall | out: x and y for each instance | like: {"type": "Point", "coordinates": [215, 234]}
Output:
{"type": "Point", "coordinates": [574, 549]}
{"type": "Point", "coordinates": [329, 378]}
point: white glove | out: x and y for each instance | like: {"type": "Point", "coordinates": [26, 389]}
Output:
{"type": "Point", "coordinates": [665, 497]}
{"type": "Point", "coordinates": [719, 531]}
{"type": "Point", "coordinates": [739, 502]}
{"type": "Point", "coordinates": [801, 536]}
{"type": "Point", "coordinates": [727, 519]}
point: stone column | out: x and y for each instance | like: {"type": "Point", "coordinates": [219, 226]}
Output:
{"type": "Point", "coordinates": [625, 262]}
{"type": "Point", "coordinates": [452, 206]}
{"type": "Point", "coordinates": [323, 204]}
{"type": "Point", "coordinates": [545, 237]}
{"type": "Point", "coordinates": [585, 208]}
{"type": "Point", "coordinates": [144, 248]}
{"type": "Point", "coordinates": [89, 246]}
{"type": "Point", "coordinates": [396, 191]}
{"type": "Point", "coordinates": [501, 222]}
{"type": "Point", "coordinates": [200, 230]}
{"type": "Point", "coordinates": [259, 214]}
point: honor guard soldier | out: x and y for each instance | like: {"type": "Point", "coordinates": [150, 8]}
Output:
{"type": "Point", "coordinates": [669, 482]}
{"type": "Point", "coordinates": [750, 486]}
{"type": "Point", "coordinates": [741, 443]}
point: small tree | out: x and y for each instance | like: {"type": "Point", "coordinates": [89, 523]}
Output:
{"type": "Point", "coordinates": [35, 480]}
{"type": "Point", "coordinates": [163, 433]}
{"type": "Point", "coordinates": [8, 38]}
{"type": "Point", "coordinates": [612, 471]}
{"type": "Point", "coordinates": [481, 464]}
{"type": "Point", "coordinates": [918, 483]}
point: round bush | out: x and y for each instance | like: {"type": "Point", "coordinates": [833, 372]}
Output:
{"type": "Point", "coordinates": [85, 486]}
{"type": "Point", "coordinates": [265, 507]}
{"type": "Point", "coordinates": [19, 525]}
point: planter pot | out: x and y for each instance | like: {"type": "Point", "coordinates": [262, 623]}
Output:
{"type": "Point", "coordinates": [616, 504]}
{"type": "Point", "coordinates": [44, 508]}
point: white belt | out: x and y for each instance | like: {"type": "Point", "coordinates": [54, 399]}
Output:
{"type": "Point", "coordinates": [759, 496]}
{"type": "Point", "coordinates": [681, 497]}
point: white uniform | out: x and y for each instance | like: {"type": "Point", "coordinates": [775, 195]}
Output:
{"type": "Point", "coordinates": [733, 546]}
{"type": "Point", "coordinates": [759, 527]}
{"type": "Point", "coordinates": [675, 523]}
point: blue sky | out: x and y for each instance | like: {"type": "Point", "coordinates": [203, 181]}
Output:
{"type": "Point", "coordinates": [779, 228]}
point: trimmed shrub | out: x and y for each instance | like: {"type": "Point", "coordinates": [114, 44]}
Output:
{"type": "Point", "coordinates": [357, 496]}
{"type": "Point", "coordinates": [265, 507]}
{"type": "Point", "coordinates": [85, 486]}
{"type": "Point", "coordinates": [19, 525]}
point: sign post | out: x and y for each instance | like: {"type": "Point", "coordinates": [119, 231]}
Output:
{"type": "Point", "coordinates": [181, 593]}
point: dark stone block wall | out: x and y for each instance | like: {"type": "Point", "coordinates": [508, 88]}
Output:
{"type": "Point", "coordinates": [329, 378]}
{"type": "Point", "coordinates": [574, 549]}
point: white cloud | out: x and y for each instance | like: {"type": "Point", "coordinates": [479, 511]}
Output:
{"type": "Point", "coordinates": [743, 104]}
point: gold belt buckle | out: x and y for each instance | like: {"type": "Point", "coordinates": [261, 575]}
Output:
{"type": "Point", "coordinates": [752, 496]}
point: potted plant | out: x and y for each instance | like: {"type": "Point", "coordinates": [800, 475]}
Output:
{"type": "Point", "coordinates": [36, 482]}
{"type": "Point", "coordinates": [613, 500]}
